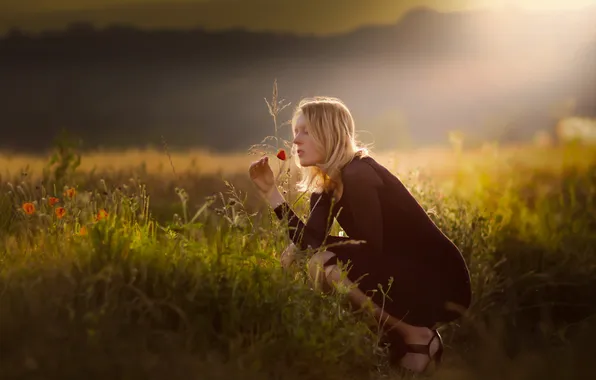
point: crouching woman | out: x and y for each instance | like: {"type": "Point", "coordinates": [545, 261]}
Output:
{"type": "Point", "coordinates": [398, 240]}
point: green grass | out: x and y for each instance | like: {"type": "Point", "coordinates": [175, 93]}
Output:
{"type": "Point", "coordinates": [134, 298]}
{"type": "Point", "coordinates": [204, 296]}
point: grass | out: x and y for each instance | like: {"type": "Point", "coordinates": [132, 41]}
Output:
{"type": "Point", "coordinates": [179, 278]}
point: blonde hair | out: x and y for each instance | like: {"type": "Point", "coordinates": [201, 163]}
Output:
{"type": "Point", "coordinates": [332, 127]}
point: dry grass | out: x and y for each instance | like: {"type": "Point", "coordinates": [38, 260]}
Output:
{"type": "Point", "coordinates": [154, 161]}
{"type": "Point", "coordinates": [437, 161]}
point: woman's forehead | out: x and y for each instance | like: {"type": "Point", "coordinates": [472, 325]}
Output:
{"type": "Point", "coordinates": [300, 122]}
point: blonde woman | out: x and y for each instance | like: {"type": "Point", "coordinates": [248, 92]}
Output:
{"type": "Point", "coordinates": [398, 239]}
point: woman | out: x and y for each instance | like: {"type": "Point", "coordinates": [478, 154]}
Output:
{"type": "Point", "coordinates": [398, 240]}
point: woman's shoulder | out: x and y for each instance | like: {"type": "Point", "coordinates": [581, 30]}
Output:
{"type": "Point", "coordinates": [361, 168]}
{"type": "Point", "coordinates": [359, 162]}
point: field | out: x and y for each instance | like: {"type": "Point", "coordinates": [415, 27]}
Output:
{"type": "Point", "coordinates": [155, 265]}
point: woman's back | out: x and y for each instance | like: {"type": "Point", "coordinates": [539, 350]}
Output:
{"type": "Point", "coordinates": [404, 226]}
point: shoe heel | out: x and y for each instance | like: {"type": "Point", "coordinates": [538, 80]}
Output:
{"type": "Point", "coordinates": [439, 354]}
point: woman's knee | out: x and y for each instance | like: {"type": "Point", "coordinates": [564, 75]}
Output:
{"type": "Point", "coordinates": [288, 256]}
{"type": "Point", "coordinates": [318, 273]}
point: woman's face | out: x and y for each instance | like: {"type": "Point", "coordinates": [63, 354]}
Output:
{"type": "Point", "coordinates": [308, 152]}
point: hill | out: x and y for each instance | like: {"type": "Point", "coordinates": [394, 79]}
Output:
{"type": "Point", "coordinates": [481, 72]}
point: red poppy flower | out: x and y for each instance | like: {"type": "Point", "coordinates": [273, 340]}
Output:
{"type": "Point", "coordinates": [60, 212]}
{"type": "Point", "coordinates": [281, 154]}
{"type": "Point", "coordinates": [102, 214]}
{"type": "Point", "coordinates": [53, 200]}
{"type": "Point", "coordinates": [70, 192]}
{"type": "Point", "coordinates": [29, 208]}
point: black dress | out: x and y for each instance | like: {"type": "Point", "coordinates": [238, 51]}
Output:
{"type": "Point", "coordinates": [401, 242]}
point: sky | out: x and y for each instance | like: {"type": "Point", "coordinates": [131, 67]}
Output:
{"type": "Point", "coordinates": [295, 16]}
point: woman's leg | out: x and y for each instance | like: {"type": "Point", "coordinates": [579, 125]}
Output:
{"type": "Point", "coordinates": [288, 256]}
{"type": "Point", "coordinates": [331, 275]}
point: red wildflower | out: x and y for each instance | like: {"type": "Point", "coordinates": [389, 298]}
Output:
{"type": "Point", "coordinates": [60, 212]}
{"type": "Point", "coordinates": [29, 208]}
{"type": "Point", "coordinates": [102, 214]}
{"type": "Point", "coordinates": [53, 200]}
{"type": "Point", "coordinates": [281, 154]}
{"type": "Point", "coordinates": [70, 192]}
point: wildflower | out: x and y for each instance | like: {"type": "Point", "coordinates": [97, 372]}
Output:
{"type": "Point", "coordinates": [102, 214]}
{"type": "Point", "coordinates": [29, 208]}
{"type": "Point", "coordinates": [60, 212]}
{"type": "Point", "coordinates": [53, 200]}
{"type": "Point", "coordinates": [83, 231]}
{"type": "Point", "coordinates": [70, 192]}
{"type": "Point", "coordinates": [281, 154]}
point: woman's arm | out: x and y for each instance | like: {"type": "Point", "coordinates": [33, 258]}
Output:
{"type": "Point", "coordinates": [361, 200]}
{"type": "Point", "coordinates": [316, 230]}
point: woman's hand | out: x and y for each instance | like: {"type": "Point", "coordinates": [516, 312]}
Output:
{"type": "Point", "coordinates": [262, 176]}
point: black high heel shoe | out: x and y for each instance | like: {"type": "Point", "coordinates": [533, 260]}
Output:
{"type": "Point", "coordinates": [425, 350]}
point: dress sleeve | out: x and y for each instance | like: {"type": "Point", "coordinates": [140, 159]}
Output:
{"type": "Point", "coordinates": [316, 230]}
{"type": "Point", "coordinates": [361, 199]}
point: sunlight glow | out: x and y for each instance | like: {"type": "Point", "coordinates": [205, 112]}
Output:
{"type": "Point", "coordinates": [536, 4]}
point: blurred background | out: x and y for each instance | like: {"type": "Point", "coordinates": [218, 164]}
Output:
{"type": "Point", "coordinates": [122, 74]}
